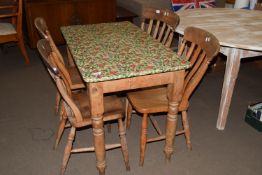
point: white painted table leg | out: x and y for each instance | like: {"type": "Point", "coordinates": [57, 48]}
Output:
{"type": "Point", "coordinates": [232, 68]}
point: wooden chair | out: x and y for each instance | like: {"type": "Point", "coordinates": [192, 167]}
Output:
{"type": "Point", "coordinates": [11, 26]}
{"type": "Point", "coordinates": [160, 24]}
{"type": "Point", "coordinates": [77, 109]}
{"type": "Point", "coordinates": [199, 47]}
{"type": "Point", "coordinates": [51, 65]}
{"type": "Point", "coordinates": [71, 73]}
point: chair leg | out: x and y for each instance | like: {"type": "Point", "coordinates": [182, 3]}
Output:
{"type": "Point", "coordinates": [186, 129]}
{"type": "Point", "coordinates": [143, 138]}
{"type": "Point", "coordinates": [58, 100]}
{"type": "Point", "coordinates": [155, 124]}
{"type": "Point", "coordinates": [68, 149]}
{"type": "Point", "coordinates": [21, 45]}
{"type": "Point", "coordinates": [129, 110]}
{"type": "Point", "coordinates": [122, 134]}
{"type": "Point", "coordinates": [60, 130]}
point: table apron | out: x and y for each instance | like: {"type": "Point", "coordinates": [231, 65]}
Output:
{"type": "Point", "coordinates": [137, 82]}
{"type": "Point", "coordinates": [241, 52]}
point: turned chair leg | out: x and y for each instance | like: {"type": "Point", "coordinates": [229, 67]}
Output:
{"type": "Point", "coordinates": [186, 129]}
{"type": "Point", "coordinates": [143, 139]}
{"type": "Point", "coordinates": [155, 125]}
{"type": "Point", "coordinates": [122, 134]}
{"type": "Point", "coordinates": [129, 110]}
{"type": "Point", "coordinates": [68, 149]}
{"type": "Point", "coordinates": [21, 45]}
{"type": "Point", "coordinates": [60, 130]}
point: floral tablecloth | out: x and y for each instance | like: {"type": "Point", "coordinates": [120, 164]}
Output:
{"type": "Point", "coordinates": [109, 51]}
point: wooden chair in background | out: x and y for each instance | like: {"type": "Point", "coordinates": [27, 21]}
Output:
{"type": "Point", "coordinates": [77, 108]}
{"type": "Point", "coordinates": [197, 46]}
{"type": "Point", "coordinates": [160, 24]}
{"type": "Point", "coordinates": [70, 73]}
{"type": "Point", "coordinates": [11, 26]}
{"type": "Point", "coordinates": [42, 28]}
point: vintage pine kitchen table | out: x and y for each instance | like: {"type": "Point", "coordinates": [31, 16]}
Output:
{"type": "Point", "coordinates": [119, 56]}
{"type": "Point", "coordinates": [239, 32]}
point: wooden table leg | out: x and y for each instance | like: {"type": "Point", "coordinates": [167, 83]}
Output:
{"type": "Point", "coordinates": [97, 110]}
{"type": "Point", "coordinates": [232, 68]}
{"type": "Point", "coordinates": [174, 96]}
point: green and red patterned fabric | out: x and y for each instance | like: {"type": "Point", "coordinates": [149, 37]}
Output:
{"type": "Point", "coordinates": [110, 51]}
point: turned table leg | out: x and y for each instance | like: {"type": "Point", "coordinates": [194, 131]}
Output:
{"type": "Point", "coordinates": [97, 110]}
{"type": "Point", "coordinates": [174, 97]}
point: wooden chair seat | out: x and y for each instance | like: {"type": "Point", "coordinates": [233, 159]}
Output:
{"type": "Point", "coordinates": [145, 102]}
{"type": "Point", "coordinates": [152, 100]}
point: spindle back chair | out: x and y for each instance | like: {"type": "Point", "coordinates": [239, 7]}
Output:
{"type": "Point", "coordinates": [160, 24]}
{"type": "Point", "coordinates": [77, 110]}
{"type": "Point", "coordinates": [199, 47]}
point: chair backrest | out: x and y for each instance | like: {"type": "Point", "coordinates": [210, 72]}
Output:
{"type": "Point", "coordinates": [48, 57]}
{"type": "Point", "coordinates": [12, 9]}
{"type": "Point", "coordinates": [63, 87]}
{"type": "Point", "coordinates": [45, 52]}
{"type": "Point", "coordinates": [11, 24]}
{"type": "Point", "coordinates": [199, 47]}
{"type": "Point", "coordinates": [160, 24]}
{"type": "Point", "coordinates": [12, 12]}
{"type": "Point", "coordinates": [41, 26]}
